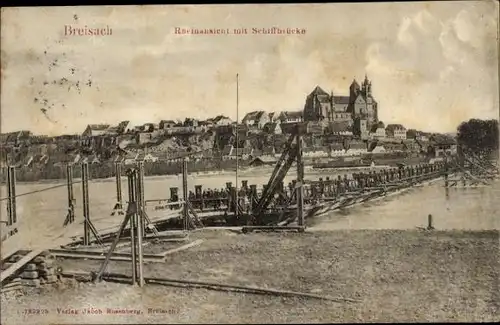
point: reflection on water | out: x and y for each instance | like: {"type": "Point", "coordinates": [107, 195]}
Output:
{"type": "Point", "coordinates": [454, 208]}
{"type": "Point", "coordinates": [43, 213]}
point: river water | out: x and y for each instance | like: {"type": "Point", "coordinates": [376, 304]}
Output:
{"type": "Point", "coordinates": [42, 213]}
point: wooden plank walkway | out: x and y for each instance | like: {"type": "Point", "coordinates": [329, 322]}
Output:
{"type": "Point", "coordinates": [19, 264]}
{"type": "Point", "coordinates": [103, 257]}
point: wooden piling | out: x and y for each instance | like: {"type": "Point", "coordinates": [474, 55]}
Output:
{"type": "Point", "coordinates": [300, 180]}
{"type": "Point", "coordinates": [86, 206]}
{"type": "Point", "coordinates": [141, 198]}
{"type": "Point", "coordinates": [11, 188]}
{"type": "Point", "coordinates": [118, 179]}
{"type": "Point", "coordinates": [139, 254]}
{"type": "Point", "coordinates": [185, 194]}
{"type": "Point", "coordinates": [133, 222]}
{"type": "Point", "coordinates": [429, 222]}
{"type": "Point", "coordinates": [71, 199]}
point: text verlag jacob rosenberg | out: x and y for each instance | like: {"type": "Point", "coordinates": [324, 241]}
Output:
{"type": "Point", "coordinates": [239, 31]}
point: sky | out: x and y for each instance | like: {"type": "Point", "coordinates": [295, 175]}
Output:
{"type": "Point", "coordinates": [432, 64]}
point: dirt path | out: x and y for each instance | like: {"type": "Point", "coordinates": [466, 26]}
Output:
{"type": "Point", "coordinates": [398, 275]}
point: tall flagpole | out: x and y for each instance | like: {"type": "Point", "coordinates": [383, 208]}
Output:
{"type": "Point", "coordinates": [237, 144]}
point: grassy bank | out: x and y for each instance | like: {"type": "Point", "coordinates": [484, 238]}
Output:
{"type": "Point", "coordinates": [398, 276]}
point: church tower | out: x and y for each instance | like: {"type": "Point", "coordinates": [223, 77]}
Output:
{"type": "Point", "coordinates": [353, 90]}
{"type": "Point", "coordinates": [332, 107]}
{"type": "Point", "coordinates": [366, 86]}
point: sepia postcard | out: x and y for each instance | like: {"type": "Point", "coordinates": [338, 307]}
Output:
{"type": "Point", "coordinates": [270, 163]}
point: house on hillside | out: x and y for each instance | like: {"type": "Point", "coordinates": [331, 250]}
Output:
{"type": "Point", "coordinates": [356, 149]}
{"type": "Point", "coordinates": [207, 124]}
{"type": "Point", "coordinates": [443, 145]}
{"type": "Point", "coordinates": [15, 138]}
{"type": "Point", "coordinates": [263, 161]}
{"type": "Point", "coordinates": [182, 130]}
{"type": "Point", "coordinates": [111, 131]}
{"type": "Point", "coordinates": [411, 144]}
{"type": "Point", "coordinates": [231, 153]}
{"type": "Point", "coordinates": [191, 122]}
{"type": "Point", "coordinates": [337, 149]}
{"type": "Point", "coordinates": [124, 127]}
{"type": "Point", "coordinates": [291, 116]}
{"type": "Point", "coordinates": [166, 124]}
{"type": "Point", "coordinates": [222, 120]}
{"type": "Point", "coordinates": [273, 117]}
{"type": "Point", "coordinates": [93, 130]}
{"type": "Point", "coordinates": [377, 131]}
{"type": "Point", "coordinates": [396, 131]}
{"type": "Point", "coordinates": [145, 137]}
{"type": "Point", "coordinates": [394, 147]}
{"type": "Point", "coordinates": [256, 119]}
{"type": "Point", "coordinates": [149, 127]}
{"type": "Point", "coordinates": [422, 136]}
{"type": "Point", "coordinates": [315, 152]}
{"type": "Point", "coordinates": [379, 148]}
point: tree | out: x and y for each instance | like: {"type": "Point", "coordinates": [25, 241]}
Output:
{"type": "Point", "coordinates": [478, 136]}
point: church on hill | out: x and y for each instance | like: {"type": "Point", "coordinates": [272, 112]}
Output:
{"type": "Point", "coordinates": [359, 108]}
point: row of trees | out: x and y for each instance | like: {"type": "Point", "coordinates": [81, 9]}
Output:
{"type": "Point", "coordinates": [479, 136]}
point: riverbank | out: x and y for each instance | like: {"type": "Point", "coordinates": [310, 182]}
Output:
{"type": "Point", "coordinates": [107, 170]}
{"type": "Point", "coordinates": [398, 276]}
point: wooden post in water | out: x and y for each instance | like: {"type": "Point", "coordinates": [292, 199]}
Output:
{"type": "Point", "coordinates": [185, 194]}
{"type": "Point", "coordinates": [300, 181]}
{"type": "Point", "coordinates": [71, 198]}
{"type": "Point", "coordinates": [119, 199]}
{"type": "Point", "coordinates": [140, 218]}
{"type": "Point", "coordinates": [86, 206]}
{"type": "Point", "coordinates": [132, 197]}
{"type": "Point", "coordinates": [429, 222]}
{"type": "Point", "coordinates": [11, 203]}
{"type": "Point", "coordinates": [141, 204]}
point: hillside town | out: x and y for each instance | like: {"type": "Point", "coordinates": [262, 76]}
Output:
{"type": "Point", "coordinates": [337, 126]}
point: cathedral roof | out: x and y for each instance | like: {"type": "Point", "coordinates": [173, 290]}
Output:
{"type": "Point", "coordinates": [318, 91]}
{"type": "Point", "coordinates": [341, 99]}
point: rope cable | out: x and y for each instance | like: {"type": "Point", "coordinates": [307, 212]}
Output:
{"type": "Point", "coordinates": [38, 191]}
